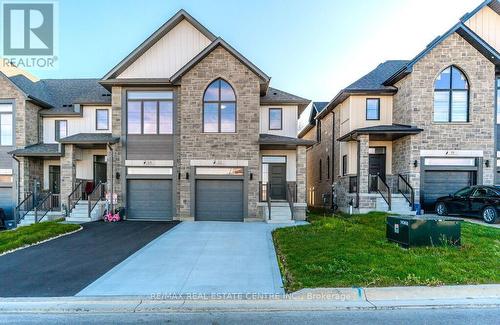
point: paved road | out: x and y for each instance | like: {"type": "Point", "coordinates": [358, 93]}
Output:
{"type": "Point", "coordinates": [403, 316]}
{"type": "Point", "coordinates": [198, 257]}
{"type": "Point", "coordinates": [66, 265]}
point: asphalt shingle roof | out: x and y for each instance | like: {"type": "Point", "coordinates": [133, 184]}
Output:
{"type": "Point", "coordinates": [61, 94]}
{"type": "Point", "coordinates": [319, 106]}
{"type": "Point", "coordinates": [278, 139]}
{"type": "Point", "coordinates": [90, 138]}
{"type": "Point", "coordinates": [40, 149]}
{"type": "Point", "coordinates": [374, 79]}
{"type": "Point", "coordinates": [274, 95]}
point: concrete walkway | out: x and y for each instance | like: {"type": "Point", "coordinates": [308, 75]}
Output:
{"type": "Point", "coordinates": [198, 258]}
{"type": "Point", "coordinates": [477, 221]}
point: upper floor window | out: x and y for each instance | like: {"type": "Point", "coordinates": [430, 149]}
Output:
{"type": "Point", "coordinates": [150, 112]}
{"type": "Point", "coordinates": [219, 108]}
{"type": "Point", "coordinates": [101, 119]}
{"type": "Point", "coordinates": [373, 108]}
{"type": "Point", "coordinates": [6, 125]}
{"type": "Point", "coordinates": [61, 129]}
{"type": "Point", "coordinates": [275, 119]}
{"type": "Point", "coordinates": [318, 131]}
{"type": "Point", "coordinates": [344, 165]}
{"type": "Point", "coordinates": [451, 96]}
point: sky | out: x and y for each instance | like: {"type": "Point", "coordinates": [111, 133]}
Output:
{"type": "Point", "coordinates": [310, 48]}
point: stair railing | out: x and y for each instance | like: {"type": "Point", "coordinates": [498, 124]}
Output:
{"type": "Point", "coordinates": [75, 195]}
{"type": "Point", "coordinates": [97, 195]}
{"type": "Point", "coordinates": [384, 190]}
{"type": "Point", "coordinates": [268, 199]}
{"type": "Point", "coordinates": [43, 207]}
{"type": "Point", "coordinates": [26, 205]}
{"type": "Point", "coordinates": [407, 190]}
{"type": "Point", "coordinates": [291, 197]}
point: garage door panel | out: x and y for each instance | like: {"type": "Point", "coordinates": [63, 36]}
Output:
{"type": "Point", "coordinates": [442, 183]}
{"type": "Point", "coordinates": [6, 202]}
{"type": "Point", "coordinates": [149, 199]}
{"type": "Point", "coordinates": [219, 200]}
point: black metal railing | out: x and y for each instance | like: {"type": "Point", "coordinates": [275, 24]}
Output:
{"type": "Point", "coordinates": [291, 196]}
{"type": "Point", "coordinates": [384, 190]}
{"type": "Point", "coordinates": [406, 189]}
{"type": "Point", "coordinates": [263, 191]}
{"type": "Point", "coordinates": [268, 200]}
{"type": "Point", "coordinates": [26, 205]}
{"type": "Point", "coordinates": [56, 202]}
{"type": "Point", "coordinates": [95, 196]}
{"type": "Point", "coordinates": [75, 195]}
{"type": "Point", "coordinates": [43, 207]}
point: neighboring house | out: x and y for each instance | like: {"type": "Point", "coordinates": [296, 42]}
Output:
{"type": "Point", "coordinates": [184, 127]}
{"type": "Point", "coordinates": [411, 131]}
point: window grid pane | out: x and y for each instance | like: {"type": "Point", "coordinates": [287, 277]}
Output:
{"type": "Point", "coordinates": [150, 118]}
{"type": "Point", "coordinates": [219, 108]}
{"type": "Point", "coordinates": [211, 117]}
{"type": "Point", "coordinates": [63, 129]}
{"type": "Point", "coordinates": [6, 129]}
{"type": "Point", "coordinates": [275, 118]}
{"type": "Point", "coordinates": [372, 109]}
{"type": "Point", "coordinates": [166, 118]}
{"type": "Point", "coordinates": [134, 118]}
{"type": "Point", "coordinates": [102, 119]}
{"type": "Point", "coordinates": [150, 95]}
{"type": "Point", "coordinates": [459, 106]}
{"type": "Point", "coordinates": [227, 117]}
{"type": "Point", "coordinates": [441, 106]}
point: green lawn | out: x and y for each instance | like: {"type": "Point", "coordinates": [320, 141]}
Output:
{"type": "Point", "coordinates": [351, 251]}
{"type": "Point", "coordinates": [22, 236]}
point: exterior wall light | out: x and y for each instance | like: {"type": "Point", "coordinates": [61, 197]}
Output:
{"type": "Point", "coordinates": [487, 163]}
{"type": "Point", "coordinates": [187, 175]}
{"type": "Point", "coordinates": [415, 163]}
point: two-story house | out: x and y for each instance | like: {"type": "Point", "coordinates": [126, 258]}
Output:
{"type": "Point", "coordinates": [184, 127]}
{"type": "Point", "coordinates": [413, 130]}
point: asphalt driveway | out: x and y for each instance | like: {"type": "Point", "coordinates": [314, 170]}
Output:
{"type": "Point", "coordinates": [66, 265]}
{"type": "Point", "coordinates": [198, 258]}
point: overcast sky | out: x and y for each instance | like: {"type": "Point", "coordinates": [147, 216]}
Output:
{"type": "Point", "coordinates": [312, 48]}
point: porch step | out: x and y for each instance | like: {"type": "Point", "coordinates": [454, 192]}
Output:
{"type": "Point", "coordinates": [80, 213]}
{"type": "Point", "coordinates": [29, 218]}
{"type": "Point", "coordinates": [399, 205]}
{"type": "Point", "coordinates": [280, 213]}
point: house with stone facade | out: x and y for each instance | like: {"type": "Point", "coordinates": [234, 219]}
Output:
{"type": "Point", "coordinates": [411, 131]}
{"type": "Point", "coordinates": [183, 128]}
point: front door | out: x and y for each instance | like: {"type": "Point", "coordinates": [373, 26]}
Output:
{"type": "Point", "coordinates": [100, 169]}
{"type": "Point", "coordinates": [277, 181]}
{"type": "Point", "coordinates": [55, 179]}
{"type": "Point", "coordinates": [376, 167]}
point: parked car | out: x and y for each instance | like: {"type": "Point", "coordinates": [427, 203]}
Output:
{"type": "Point", "coordinates": [475, 201]}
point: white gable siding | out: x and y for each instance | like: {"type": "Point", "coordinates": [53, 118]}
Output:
{"type": "Point", "coordinates": [169, 54]}
{"type": "Point", "coordinates": [84, 124]}
{"type": "Point", "coordinates": [486, 23]}
{"type": "Point", "coordinates": [289, 121]}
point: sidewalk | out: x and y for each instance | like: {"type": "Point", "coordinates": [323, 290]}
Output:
{"type": "Point", "coordinates": [486, 296]}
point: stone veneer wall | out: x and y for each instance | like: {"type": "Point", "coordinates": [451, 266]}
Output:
{"type": "Point", "coordinates": [413, 104]}
{"type": "Point", "coordinates": [243, 145]}
{"type": "Point", "coordinates": [321, 150]}
{"type": "Point", "coordinates": [115, 156]}
{"type": "Point", "coordinates": [68, 171]}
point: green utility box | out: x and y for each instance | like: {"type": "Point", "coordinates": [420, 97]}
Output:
{"type": "Point", "coordinates": [411, 231]}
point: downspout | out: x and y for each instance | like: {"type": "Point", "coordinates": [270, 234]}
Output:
{"type": "Point", "coordinates": [18, 184]}
{"type": "Point", "coordinates": [332, 159]}
{"type": "Point", "coordinates": [112, 178]}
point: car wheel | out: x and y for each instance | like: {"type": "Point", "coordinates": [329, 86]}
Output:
{"type": "Point", "coordinates": [441, 209]}
{"type": "Point", "coordinates": [490, 215]}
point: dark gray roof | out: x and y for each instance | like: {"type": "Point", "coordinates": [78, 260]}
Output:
{"type": "Point", "coordinates": [385, 132]}
{"type": "Point", "coordinates": [62, 94]}
{"type": "Point", "coordinates": [374, 79]}
{"type": "Point", "coordinates": [271, 139]}
{"type": "Point", "coordinates": [319, 106]}
{"type": "Point", "coordinates": [38, 150]}
{"type": "Point", "coordinates": [82, 138]}
{"type": "Point", "coordinates": [316, 107]}
{"type": "Point", "coordinates": [276, 96]}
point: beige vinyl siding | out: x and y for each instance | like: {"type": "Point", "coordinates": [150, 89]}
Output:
{"type": "Point", "coordinates": [291, 162]}
{"type": "Point", "coordinates": [84, 124]}
{"type": "Point", "coordinates": [343, 110]}
{"type": "Point", "coordinates": [486, 23]}
{"type": "Point", "coordinates": [169, 54]}
{"type": "Point", "coordinates": [289, 121]}
{"type": "Point", "coordinates": [351, 150]}
{"type": "Point", "coordinates": [358, 112]}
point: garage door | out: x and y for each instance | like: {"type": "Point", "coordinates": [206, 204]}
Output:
{"type": "Point", "coordinates": [149, 199]}
{"type": "Point", "coordinates": [219, 200]}
{"type": "Point", "coordinates": [6, 200]}
{"type": "Point", "coordinates": [442, 183]}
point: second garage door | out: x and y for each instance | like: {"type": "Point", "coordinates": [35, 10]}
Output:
{"type": "Point", "coordinates": [441, 183]}
{"type": "Point", "coordinates": [219, 200]}
{"type": "Point", "coordinates": [149, 199]}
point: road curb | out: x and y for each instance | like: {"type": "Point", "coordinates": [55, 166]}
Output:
{"type": "Point", "coordinates": [320, 299]}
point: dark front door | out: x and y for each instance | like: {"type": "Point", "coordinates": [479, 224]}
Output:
{"type": "Point", "coordinates": [277, 181]}
{"type": "Point", "coordinates": [55, 179]}
{"type": "Point", "coordinates": [376, 168]}
{"type": "Point", "coordinates": [100, 169]}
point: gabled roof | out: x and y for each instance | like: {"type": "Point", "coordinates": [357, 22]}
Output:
{"type": "Point", "coordinates": [316, 107]}
{"type": "Point", "coordinates": [465, 32]}
{"type": "Point", "coordinates": [157, 35]}
{"type": "Point", "coordinates": [216, 43]}
{"type": "Point", "coordinates": [275, 96]}
{"type": "Point", "coordinates": [60, 95]}
{"type": "Point", "coordinates": [371, 83]}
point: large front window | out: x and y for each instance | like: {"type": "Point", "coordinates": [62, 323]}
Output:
{"type": "Point", "coordinates": [6, 134]}
{"type": "Point", "coordinates": [150, 112]}
{"type": "Point", "coordinates": [219, 108]}
{"type": "Point", "coordinates": [451, 96]}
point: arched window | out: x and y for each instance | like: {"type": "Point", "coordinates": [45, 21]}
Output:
{"type": "Point", "coordinates": [451, 96]}
{"type": "Point", "coordinates": [219, 108]}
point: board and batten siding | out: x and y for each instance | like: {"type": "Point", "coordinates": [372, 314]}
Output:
{"type": "Point", "coordinates": [169, 54]}
{"type": "Point", "coordinates": [84, 124]}
{"type": "Point", "coordinates": [289, 121]}
{"type": "Point", "coordinates": [486, 23]}
{"type": "Point", "coordinates": [291, 162]}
